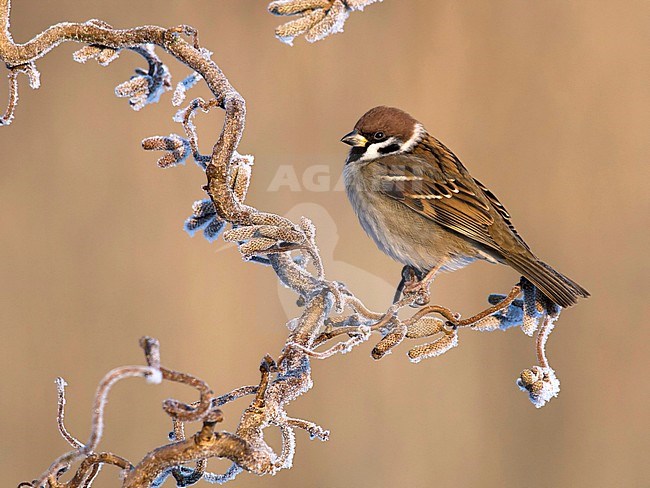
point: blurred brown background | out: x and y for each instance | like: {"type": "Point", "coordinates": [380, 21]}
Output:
{"type": "Point", "coordinates": [546, 102]}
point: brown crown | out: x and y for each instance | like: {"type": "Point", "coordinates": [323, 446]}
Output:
{"type": "Point", "coordinates": [390, 120]}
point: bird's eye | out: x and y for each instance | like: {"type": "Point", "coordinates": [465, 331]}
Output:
{"type": "Point", "coordinates": [378, 136]}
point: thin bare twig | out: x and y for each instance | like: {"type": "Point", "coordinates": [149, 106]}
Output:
{"type": "Point", "coordinates": [60, 414]}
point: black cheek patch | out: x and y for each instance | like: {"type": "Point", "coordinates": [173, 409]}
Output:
{"type": "Point", "coordinates": [389, 149]}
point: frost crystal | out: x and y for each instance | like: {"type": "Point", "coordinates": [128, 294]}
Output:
{"type": "Point", "coordinates": [155, 378]}
{"type": "Point", "coordinates": [541, 384]}
{"type": "Point", "coordinates": [331, 24]}
{"type": "Point", "coordinates": [292, 324]}
{"type": "Point", "coordinates": [178, 149]}
{"type": "Point", "coordinates": [103, 55]}
{"type": "Point", "coordinates": [433, 349]}
{"type": "Point", "coordinates": [316, 19]}
{"type": "Point", "coordinates": [145, 87]}
{"type": "Point", "coordinates": [86, 53]}
{"type": "Point", "coordinates": [220, 479]}
{"type": "Point", "coordinates": [136, 90]}
{"type": "Point", "coordinates": [292, 29]}
{"type": "Point", "coordinates": [181, 90]}
{"type": "Point", "coordinates": [204, 216]}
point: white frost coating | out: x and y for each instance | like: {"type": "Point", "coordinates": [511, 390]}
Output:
{"type": "Point", "coordinates": [433, 349]}
{"type": "Point", "coordinates": [179, 116]}
{"type": "Point", "coordinates": [206, 53]}
{"type": "Point", "coordinates": [136, 89]}
{"type": "Point", "coordinates": [181, 90]}
{"type": "Point", "coordinates": [360, 4]}
{"type": "Point", "coordinates": [154, 378]}
{"type": "Point", "coordinates": [146, 87]}
{"type": "Point", "coordinates": [331, 24]}
{"type": "Point", "coordinates": [220, 479]}
{"type": "Point", "coordinates": [86, 53]}
{"type": "Point", "coordinates": [316, 19]}
{"type": "Point", "coordinates": [288, 40]}
{"type": "Point", "coordinates": [540, 381]}
{"type": "Point", "coordinates": [545, 387]}
{"type": "Point", "coordinates": [487, 324]}
{"type": "Point", "coordinates": [294, 28]}
{"type": "Point", "coordinates": [208, 222]}
{"type": "Point", "coordinates": [285, 461]}
{"type": "Point", "coordinates": [292, 324]}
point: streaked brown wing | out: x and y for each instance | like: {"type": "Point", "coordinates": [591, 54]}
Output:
{"type": "Point", "coordinates": [498, 206]}
{"type": "Point", "coordinates": [445, 200]}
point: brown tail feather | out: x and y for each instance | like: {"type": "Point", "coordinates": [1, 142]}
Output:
{"type": "Point", "coordinates": [552, 284]}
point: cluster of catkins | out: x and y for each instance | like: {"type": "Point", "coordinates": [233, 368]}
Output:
{"type": "Point", "coordinates": [316, 19]}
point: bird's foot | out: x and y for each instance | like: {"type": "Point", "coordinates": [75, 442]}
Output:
{"type": "Point", "coordinates": [419, 290]}
{"type": "Point", "coordinates": [410, 278]}
{"type": "Point", "coordinates": [417, 285]}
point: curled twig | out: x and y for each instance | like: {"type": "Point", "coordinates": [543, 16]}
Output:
{"type": "Point", "coordinates": [10, 111]}
{"type": "Point", "coordinates": [60, 414]}
{"type": "Point", "coordinates": [97, 420]}
{"type": "Point", "coordinates": [33, 75]}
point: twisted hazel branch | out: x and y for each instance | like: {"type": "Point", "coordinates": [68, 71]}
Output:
{"type": "Point", "coordinates": [262, 237]}
{"type": "Point", "coordinates": [97, 419]}
{"type": "Point", "coordinates": [203, 445]}
{"type": "Point", "coordinates": [95, 33]}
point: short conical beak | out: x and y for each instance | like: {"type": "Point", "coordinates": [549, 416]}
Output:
{"type": "Point", "coordinates": [354, 139]}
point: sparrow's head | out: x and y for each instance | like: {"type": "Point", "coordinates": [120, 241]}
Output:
{"type": "Point", "coordinates": [383, 131]}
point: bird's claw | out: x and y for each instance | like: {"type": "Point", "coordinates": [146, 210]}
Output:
{"type": "Point", "coordinates": [419, 289]}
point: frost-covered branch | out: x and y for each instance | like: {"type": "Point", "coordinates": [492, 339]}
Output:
{"type": "Point", "coordinates": [314, 19]}
{"type": "Point", "coordinates": [333, 320]}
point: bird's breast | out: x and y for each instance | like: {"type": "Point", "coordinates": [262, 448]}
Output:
{"type": "Point", "coordinates": [398, 231]}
